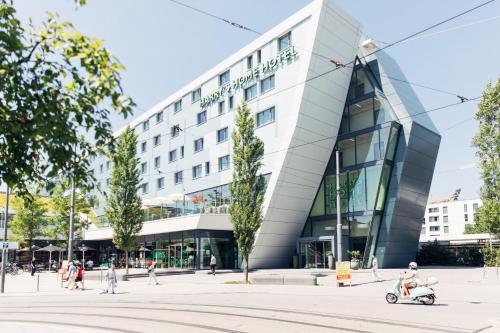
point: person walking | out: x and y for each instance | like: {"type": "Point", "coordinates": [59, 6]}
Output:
{"type": "Point", "coordinates": [213, 263]}
{"type": "Point", "coordinates": [111, 278]}
{"type": "Point", "coordinates": [72, 273]}
{"type": "Point", "coordinates": [151, 272]}
{"type": "Point", "coordinates": [33, 266]}
{"type": "Point", "coordinates": [79, 276]}
{"type": "Point", "coordinates": [375, 275]}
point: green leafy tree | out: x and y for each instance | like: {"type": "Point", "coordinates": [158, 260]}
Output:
{"type": "Point", "coordinates": [58, 227]}
{"type": "Point", "coordinates": [54, 84]}
{"type": "Point", "coordinates": [30, 219]}
{"type": "Point", "coordinates": [487, 141]}
{"type": "Point", "coordinates": [123, 210]}
{"type": "Point", "coordinates": [247, 187]}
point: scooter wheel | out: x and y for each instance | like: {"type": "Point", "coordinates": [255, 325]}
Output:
{"type": "Point", "coordinates": [429, 300]}
{"type": "Point", "coordinates": [391, 298]}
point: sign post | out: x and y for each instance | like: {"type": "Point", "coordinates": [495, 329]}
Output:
{"type": "Point", "coordinates": [343, 271]}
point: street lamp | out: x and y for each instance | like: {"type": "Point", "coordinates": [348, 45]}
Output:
{"type": "Point", "coordinates": [339, 220]}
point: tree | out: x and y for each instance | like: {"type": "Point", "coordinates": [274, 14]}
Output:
{"type": "Point", "coordinates": [123, 210]}
{"type": "Point", "coordinates": [487, 141]}
{"type": "Point", "coordinates": [61, 207]}
{"type": "Point", "coordinates": [247, 187]}
{"type": "Point", "coordinates": [54, 84]}
{"type": "Point", "coordinates": [30, 220]}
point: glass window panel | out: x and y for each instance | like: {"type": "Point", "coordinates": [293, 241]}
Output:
{"type": "Point", "coordinates": [318, 208]}
{"type": "Point", "coordinates": [265, 117]}
{"type": "Point", "coordinates": [393, 139]}
{"type": "Point", "coordinates": [359, 226]}
{"type": "Point", "coordinates": [361, 115]}
{"type": "Point", "coordinates": [371, 241]}
{"type": "Point", "coordinates": [363, 85]}
{"type": "Point", "coordinates": [373, 174]}
{"type": "Point", "coordinates": [323, 228]}
{"type": "Point", "coordinates": [366, 145]}
{"type": "Point", "coordinates": [344, 125]}
{"type": "Point", "coordinates": [347, 153]}
{"type": "Point", "coordinates": [384, 139]}
{"type": "Point", "coordinates": [383, 187]}
{"type": "Point", "coordinates": [331, 194]}
{"type": "Point", "coordinates": [357, 189]}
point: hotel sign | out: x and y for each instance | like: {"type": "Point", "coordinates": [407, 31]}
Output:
{"type": "Point", "coordinates": [285, 56]}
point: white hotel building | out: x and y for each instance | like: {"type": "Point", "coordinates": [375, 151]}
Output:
{"type": "Point", "coordinates": [313, 83]}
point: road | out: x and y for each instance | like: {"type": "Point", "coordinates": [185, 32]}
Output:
{"type": "Point", "coordinates": [466, 303]}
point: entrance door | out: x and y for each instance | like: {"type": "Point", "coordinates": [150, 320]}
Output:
{"type": "Point", "coordinates": [313, 253]}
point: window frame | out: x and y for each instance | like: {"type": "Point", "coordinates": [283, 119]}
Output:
{"type": "Point", "coordinates": [200, 169]}
{"type": "Point", "coordinates": [145, 125]}
{"type": "Point", "coordinates": [195, 95]}
{"type": "Point", "coordinates": [202, 145]}
{"type": "Point", "coordinates": [162, 179]}
{"type": "Point", "coordinates": [159, 117]}
{"type": "Point", "coordinates": [157, 140]}
{"type": "Point", "coordinates": [204, 112]}
{"type": "Point", "coordinates": [176, 178]}
{"type": "Point", "coordinates": [144, 146]}
{"type": "Point", "coordinates": [226, 130]}
{"type": "Point", "coordinates": [220, 164]}
{"type": "Point", "coordinates": [157, 165]}
{"type": "Point", "coordinates": [287, 35]}
{"type": "Point", "coordinates": [221, 75]}
{"type": "Point", "coordinates": [174, 151]}
{"type": "Point", "coordinates": [272, 79]}
{"type": "Point", "coordinates": [249, 89]}
{"type": "Point", "coordinates": [178, 106]}
{"type": "Point", "coordinates": [272, 109]}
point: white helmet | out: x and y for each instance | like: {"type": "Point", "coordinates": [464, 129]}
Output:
{"type": "Point", "coordinates": [412, 265]}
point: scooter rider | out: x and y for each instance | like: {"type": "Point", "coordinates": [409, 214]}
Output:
{"type": "Point", "coordinates": [410, 279]}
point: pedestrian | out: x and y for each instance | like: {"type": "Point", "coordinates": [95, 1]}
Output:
{"type": "Point", "coordinates": [111, 277]}
{"type": "Point", "coordinates": [33, 266]}
{"type": "Point", "coordinates": [213, 263]}
{"type": "Point", "coordinates": [79, 276]}
{"type": "Point", "coordinates": [72, 273]}
{"type": "Point", "coordinates": [375, 275]}
{"type": "Point", "coordinates": [151, 272]}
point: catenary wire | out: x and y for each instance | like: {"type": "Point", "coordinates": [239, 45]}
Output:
{"type": "Point", "coordinates": [414, 35]}
{"type": "Point", "coordinates": [344, 65]}
{"type": "Point", "coordinates": [151, 174]}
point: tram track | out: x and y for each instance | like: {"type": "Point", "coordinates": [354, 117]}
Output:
{"type": "Point", "coordinates": [186, 309]}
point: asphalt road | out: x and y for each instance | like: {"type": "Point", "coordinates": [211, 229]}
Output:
{"type": "Point", "coordinates": [466, 303]}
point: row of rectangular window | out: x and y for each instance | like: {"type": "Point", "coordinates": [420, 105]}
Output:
{"type": "Point", "coordinates": [224, 78]}
{"type": "Point", "coordinates": [197, 171]}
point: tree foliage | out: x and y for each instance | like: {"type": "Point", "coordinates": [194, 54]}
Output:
{"type": "Point", "coordinates": [247, 187]}
{"type": "Point", "coordinates": [123, 210]}
{"type": "Point", "coordinates": [54, 84]}
{"type": "Point", "coordinates": [487, 141]}
{"type": "Point", "coordinates": [30, 219]}
{"type": "Point", "coordinates": [58, 227]}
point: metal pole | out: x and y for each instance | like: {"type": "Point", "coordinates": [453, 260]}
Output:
{"type": "Point", "coordinates": [5, 252]}
{"type": "Point", "coordinates": [339, 219]}
{"type": "Point", "coordinates": [71, 220]}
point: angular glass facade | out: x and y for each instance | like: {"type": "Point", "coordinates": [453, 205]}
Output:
{"type": "Point", "coordinates": [367, 143]}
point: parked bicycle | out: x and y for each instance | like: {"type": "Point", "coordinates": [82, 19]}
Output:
{"type": "Point", "coordinates": [12, 269]}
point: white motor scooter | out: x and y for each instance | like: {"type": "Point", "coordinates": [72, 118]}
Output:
{"type": "Point", "coordinates": [421, 293]}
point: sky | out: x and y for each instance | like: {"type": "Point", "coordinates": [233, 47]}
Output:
{"type": "Point", "coordinates": [164, 46]}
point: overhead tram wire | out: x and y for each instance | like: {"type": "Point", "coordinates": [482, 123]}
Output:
{"type": "Point", "coordinates": [159, 172]}
{"type": "Point", "coordinates": [342, 65]}
{"type": "Point", "coordinates": [337, 64]}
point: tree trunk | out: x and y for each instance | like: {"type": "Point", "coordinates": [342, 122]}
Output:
{"type": "Point", "coordinates": [126, 261]}
{"type": "Point", "coordinates": [245, 268]}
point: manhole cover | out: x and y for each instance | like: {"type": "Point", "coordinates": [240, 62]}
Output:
{"type": "Point", "coordinates": [475, 302]}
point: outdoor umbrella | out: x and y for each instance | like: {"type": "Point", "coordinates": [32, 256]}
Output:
{"type": "Point", "coordinates": [84, 248]}
{"type": "Point", "coordinates": [143, 250]}
{"type": "Point", "coordinates": [50, 248]}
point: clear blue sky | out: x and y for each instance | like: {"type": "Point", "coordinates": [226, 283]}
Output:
{"type": "Point", "coordinates": [164, 46]}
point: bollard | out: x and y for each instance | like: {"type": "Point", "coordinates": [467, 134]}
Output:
{"type": "Point", "coordinates": [37, 282]}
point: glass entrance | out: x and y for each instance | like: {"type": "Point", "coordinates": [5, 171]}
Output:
{"type": "Point", "coordinates": [314, 253]}
{"type": "Point", "coordinates": [175, 256]}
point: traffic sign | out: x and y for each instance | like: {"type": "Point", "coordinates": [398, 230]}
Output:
{"type": "Point", "coordinates": [10, 245]}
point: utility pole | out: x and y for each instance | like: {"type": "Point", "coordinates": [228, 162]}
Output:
{"type": "Point", "coordinates": [5, 252]}
{"type": "Point", "coordinates": [71, 220]}
{"type": "Point", "coordinates": [339, 219]}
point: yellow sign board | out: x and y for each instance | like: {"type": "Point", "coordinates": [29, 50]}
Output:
{"type": "Point", "coordinates": [343, 269]}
